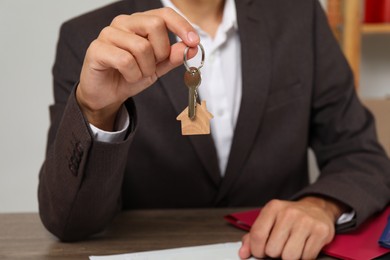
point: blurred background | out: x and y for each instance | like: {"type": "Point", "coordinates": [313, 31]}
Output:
{"type": "Point", "coordinates": [28, 36]}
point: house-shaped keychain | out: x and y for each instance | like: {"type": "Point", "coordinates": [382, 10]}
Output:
{"type": "Point", "coordinates": [200, 125]}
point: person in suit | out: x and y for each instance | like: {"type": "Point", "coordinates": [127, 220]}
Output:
{"type": "Point", "coordinates": [276, 82]}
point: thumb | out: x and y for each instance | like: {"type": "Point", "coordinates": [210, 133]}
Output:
{"type": "Point", "coordinates": [175, 58]}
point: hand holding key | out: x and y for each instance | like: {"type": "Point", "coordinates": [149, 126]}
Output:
{"type": "Point", "coordinates": [127, 57]}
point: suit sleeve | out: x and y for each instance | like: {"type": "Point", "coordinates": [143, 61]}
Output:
{"type": "Point", "coordinates": [354, 167]}
{"type": "Point", "coordinates": [80, 180]}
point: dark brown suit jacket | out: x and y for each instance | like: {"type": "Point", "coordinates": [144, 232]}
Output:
{"type": "Point", "coordinates": [297, 93]}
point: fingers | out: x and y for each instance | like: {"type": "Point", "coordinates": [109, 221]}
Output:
{"type": "Point", "coordinates": [245, 250]}
{"type": "Point", "coordinates": [277, 239]}
{"type": "Point", "coordinates": [291, 230]}
{"type": "Point", "coordinates": [139, 48]}
{"type": "Point", "coordinates": [321, 235]}
{"type": "Point", "coordinates": [178, 25]}
{"type": "Point", "coordinates": [153, 26]}
{"type": "Point", "coordinates": [108, 56]}
{"type": "Point", "coordinates": [148, 27]}
{"type": "Point", "coordinates": [312, 247]}
{"type": "Point", "coordinates": [262, 228]}
{"type": "Point", "coordinates": [175, 58]}
{"type": "Point", "coordinates": [294, 245]}
{"type": "Point", "coordinates": [129, 55]}
{"type": "Point", "coordinates": [145, 37]}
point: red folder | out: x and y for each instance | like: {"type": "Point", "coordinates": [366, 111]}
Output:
{"type": "Point", "coordinates": [361, 244]}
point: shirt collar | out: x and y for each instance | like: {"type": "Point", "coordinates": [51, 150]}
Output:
{"type": "Point", "coordinates": [229, 18]}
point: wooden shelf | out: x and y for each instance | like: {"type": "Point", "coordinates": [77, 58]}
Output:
{"type": "Point", "coordinates": [345, 19]}
{"type": "Point", "coordinates": [378, 28]}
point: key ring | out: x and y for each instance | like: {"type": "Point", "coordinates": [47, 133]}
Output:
{"type": "Point", "coordinates": [185, 58]}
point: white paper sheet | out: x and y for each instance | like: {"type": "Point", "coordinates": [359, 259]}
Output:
{"type": "Point", "coordinates": [226, 251]}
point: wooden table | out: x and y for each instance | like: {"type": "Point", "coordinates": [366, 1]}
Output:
{"type": "Point", "coordinates": [22, 236]}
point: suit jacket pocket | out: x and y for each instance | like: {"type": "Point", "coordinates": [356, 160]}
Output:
{"type": "Point", "coordinates": [284, 96]}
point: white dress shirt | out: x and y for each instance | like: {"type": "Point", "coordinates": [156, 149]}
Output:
{"type": "Point", "coordinates": [221, 78]}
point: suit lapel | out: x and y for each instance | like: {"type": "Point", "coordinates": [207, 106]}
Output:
{"type": "Point", "coordinates": [256, 72]}
{"type": "Point", "coordinates": [146, 5]}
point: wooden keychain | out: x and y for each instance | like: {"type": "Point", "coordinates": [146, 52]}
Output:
{"type": "Point", "coordinates": [195, 119]}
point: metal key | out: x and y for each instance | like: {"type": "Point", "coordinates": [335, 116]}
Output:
{"type": "Point", "coordinates": [192, 79]}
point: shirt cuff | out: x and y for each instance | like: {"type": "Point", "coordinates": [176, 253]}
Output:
{"type": "Point", "coordinates": [345, 218]}
{"type": "Point", "coordinates": [121, 125]}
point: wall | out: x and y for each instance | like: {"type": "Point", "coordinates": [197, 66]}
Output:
{"type": "Point", "coordinates": [28, 34]}
{"type": "Point", "coordinates": [375, 66]}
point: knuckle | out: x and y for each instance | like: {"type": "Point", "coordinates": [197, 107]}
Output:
{"type": "Point", "coordinates": [306, 222]}
{"type": "Point", "coordinates": [274, 204]}
{"type": "Point", "coordinates": [167, 11]}
{"type": "Point", "coordinates": [105, 33]}
{"type": "Point", "coordinates": [156, 22]}
{"type": "Point", "coordinates": [94, 45]}
{"type": "Point", "coordinates": [119, 19]}
{"type": "Point", "coordinates": [322, 230]}
{"type": "Point", "coordinates": [126, 61]}
{"type": "Point", "coordinates": [292, 213]}
{"type": "Point", "coordinates": [93, 48]}
{"type": "Point", "coordinates": [143, 47]}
